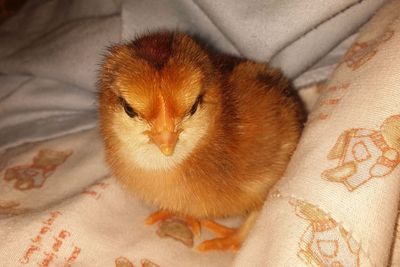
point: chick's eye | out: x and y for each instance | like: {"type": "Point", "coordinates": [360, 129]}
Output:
{"type": "Point", "coordinates": [128, 109]}
{"type": "Point", "coordinates": [198, 101]}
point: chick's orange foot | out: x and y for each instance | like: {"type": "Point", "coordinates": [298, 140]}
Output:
{"type": "Point", "coordinates": [230, 238]}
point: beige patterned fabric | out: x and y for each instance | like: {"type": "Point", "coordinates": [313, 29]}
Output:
{"type": "Point", "coordinates": [60, 207]}
{"type": "Point", "coordinates": [337, 204]}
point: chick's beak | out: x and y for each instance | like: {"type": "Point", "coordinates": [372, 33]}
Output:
{"type": "Point", "coordinates": [165, 140]}
{"type": "Point", "coordinates": [164, 134]}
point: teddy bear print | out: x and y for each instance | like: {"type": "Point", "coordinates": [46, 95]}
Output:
{"type": "Point", "coordinates": [324, 242]}
{"type": "Point", "coordinates": [363, 154]}
{"type": "Point", "coordinates": [361, 52]}
{"type": "Point", "coordinates": [34, 175]}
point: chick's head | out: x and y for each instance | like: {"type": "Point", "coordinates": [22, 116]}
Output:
{"type": "Point", "coordinates": [157, 97]}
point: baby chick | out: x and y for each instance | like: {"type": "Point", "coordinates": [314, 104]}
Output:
{"type": "Point", "coordinates": [199, 134]}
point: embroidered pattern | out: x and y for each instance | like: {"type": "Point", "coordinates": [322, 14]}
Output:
{"type": "Point", "coordinates": [363, 154]}
{"type": "Point", "coordinates": [331, 96]}
{"type": "Point", "coordinates": [10, 207]}
{"type": "Point", "coordinates": [34, 175]}
{"type": "Point", "coordinates": [324, 242]}
{"type": "Point", "coordinates": [50, 244]}
{"type": "Point", "coordinates": [96, 190]}
{"type": "Point", "coordinates": [361, 52]}
{"type": "Point", "coordinates": [124, 262]}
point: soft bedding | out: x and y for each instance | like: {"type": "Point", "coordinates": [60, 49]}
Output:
{"type": "Point", "coordinates": [337, 204]}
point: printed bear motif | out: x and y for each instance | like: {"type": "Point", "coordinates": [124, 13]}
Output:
{"type": "Point", "coordinates": [34, 175]}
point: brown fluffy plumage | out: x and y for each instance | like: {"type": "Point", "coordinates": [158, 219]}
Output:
{"type": "Point", "coordinates": [194, 132]}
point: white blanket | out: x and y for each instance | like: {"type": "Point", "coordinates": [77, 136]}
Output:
{"type": "Point", "coordinates": [337, 203]}
{"type": "Point", "coordinates": [50, 51]}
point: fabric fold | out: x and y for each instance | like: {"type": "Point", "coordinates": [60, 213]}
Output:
{"type": "Point", "coordinates": [342, 179]}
